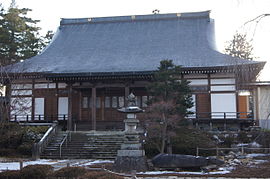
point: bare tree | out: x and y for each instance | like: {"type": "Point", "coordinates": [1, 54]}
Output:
{"type": "Point", "coordinates": [256, 20]}
{"type": "Point", "coordinates": [240, 47]}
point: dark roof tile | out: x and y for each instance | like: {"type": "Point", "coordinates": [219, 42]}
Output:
{"type": "Point", "coordinates": [125, 44]}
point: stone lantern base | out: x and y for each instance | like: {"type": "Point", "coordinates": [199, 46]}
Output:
{"type": "Point", "coordinates": [131, 156]}
{"type": "Point", "coordinates": [129, 164]}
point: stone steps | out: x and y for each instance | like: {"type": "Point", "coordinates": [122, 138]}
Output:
{"type": "Point", "coordinates": [85, 145]}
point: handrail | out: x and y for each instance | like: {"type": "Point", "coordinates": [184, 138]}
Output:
{"type": "Point", "coordinates": [38, 118]}
{"type": "Point", "coordinates": [62, 142]}
{"type": "Point", "coordinates": [221, 115]}
{"type": "Point", "coordinates": [39, 147]}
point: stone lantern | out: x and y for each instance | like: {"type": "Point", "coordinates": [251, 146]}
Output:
{"type": "Point", "coordinates": [131, 156]}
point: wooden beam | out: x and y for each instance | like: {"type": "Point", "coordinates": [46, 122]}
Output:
{"type": "Point", "coordinates": [106, 85]}
{"type": "Point", "coordinates": [93, 98]}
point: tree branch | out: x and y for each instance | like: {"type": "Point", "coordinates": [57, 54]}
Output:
{"type": "Point", "coordinates": [258, 17]}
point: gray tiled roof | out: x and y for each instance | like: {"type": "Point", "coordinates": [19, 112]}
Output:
{"type": "Point", "coordinates": [130, 44]}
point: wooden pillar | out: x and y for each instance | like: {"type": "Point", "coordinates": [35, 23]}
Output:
{"type": "Point", "coordinates": [102, 103]}
{"type": "Point", "coordinates": [126, 94]}
{"type": "Point", "coordinates": [69, 122]}
{"type": "Point", "coordinates": [80, 105]}
{"type": "Point", "coordinates": [209, 93]}
{"type": "Point", "coordinates": [33, 101]}
{"type": "Point", "coordinates": [93, 98]}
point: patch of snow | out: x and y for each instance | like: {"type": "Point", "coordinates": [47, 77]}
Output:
{"type": "Point", "coordinates": [16, 165]}
{"type": "Point", "coordinates": [9, 166]}
{"type": "Point", "coordinates": [256, 155]}
{"type": "Point", "coordinates": [259, 161]}
{"type": "Point", "coordinates": [95, 162]}
{"type": "Point", "coordinates": [168, 172]}
{"type": "Point", "coordinates": [254, 144]}
{"type": "Point", "coordinates": [43, 162]}
{"type": "Point", "coordinates": [229, 168]}
{"type": "Point", "coordinates": [219, 172]}
{"type": "Point", "coordinates": [242, 145]}
{"type": "Point", "coordinates": [190, 173]}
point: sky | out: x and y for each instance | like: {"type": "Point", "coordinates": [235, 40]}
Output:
{"type": "Point", "coordinates": [230, 16]}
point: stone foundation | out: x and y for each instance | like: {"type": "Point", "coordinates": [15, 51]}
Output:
{"type": "Point", "coordinates": [128, 164]}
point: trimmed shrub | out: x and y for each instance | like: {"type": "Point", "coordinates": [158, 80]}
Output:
{"type": "Point", "coordinates": [100, 175]}
{"type": "Point", "coordinates": [111, 176]}
{"type": "Point", "coordinates": [7, 152]}
{"type": "Point", "coordinates": [187, 140]}
{"type": "Point", "coordinates": [25, 149]}
{"type": "Point", "coordinates": [93, 175]}
{"type": "Point", "coordinates": [10, 174]}
{"type": "Point", "coordinates": [11, 135]}
{"type": "Point", "coordinates": [150, 149]}
{"type": "Point", "coordinates": [33, 133]}
{"type": "Point", "coordinates": [16, 140]}
{"type": "Point", "coordinates": [36, 171]}
{"type": "Point", "coordinates": [70, 172]}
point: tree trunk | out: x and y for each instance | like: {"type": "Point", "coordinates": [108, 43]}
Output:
{"type": "Point", "coordinates": [163, 134]}
{"type": "Point", "coordinates": [169, 145]}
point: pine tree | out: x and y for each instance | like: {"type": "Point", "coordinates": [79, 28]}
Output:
{"type": "Point", "coordinates": [19, 35]}
{"type": "Point", "coordinates": [171, 99]}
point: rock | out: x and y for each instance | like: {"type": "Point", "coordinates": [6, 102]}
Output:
{"type": "Point", "coordinates": [237, 161]}
{"type": "Point", "coordinates": [241, 157]}
{"type": "Point", "coordinates": [215, 137]}
{"type": "Point", "coordinates": [182, 161]}
{"type": "Point", "coordinates": [209, 168]}
{"type": "Point", "coordinates": [215, 161]}
{"type": "Point", "coordinates": [232, 153]}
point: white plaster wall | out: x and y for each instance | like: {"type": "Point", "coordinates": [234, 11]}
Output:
{"type": "Point", "coordinates": [223, 81]}
{"type": "Point", "coordinates": [63, 106]}
{"type": "Point", "coordinates": [263, 103]}
{"type": "Point", "coordinates": [39, 106]}
{"type": "Point", "coordinates": [225, 103]}
{"type": "Point", "coordinates": [198, 82]}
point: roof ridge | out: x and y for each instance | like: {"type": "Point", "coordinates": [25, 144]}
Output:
{"type": "Point", "coordinates": [70, 21]}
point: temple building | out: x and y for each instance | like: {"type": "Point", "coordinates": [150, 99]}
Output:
{"type": "Point", "coordinates": [92, 65]}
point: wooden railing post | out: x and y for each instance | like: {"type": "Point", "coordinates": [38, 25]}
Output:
{"type": "Point", "coordinates": [34, 152]}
